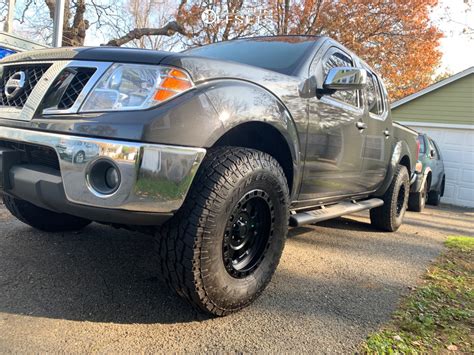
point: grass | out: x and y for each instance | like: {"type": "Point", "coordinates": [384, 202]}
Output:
{"type": "Point", "coordinates": [438, 317]}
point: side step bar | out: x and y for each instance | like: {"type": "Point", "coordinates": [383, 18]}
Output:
{"type": "Point", "coordinates": [334, 211]}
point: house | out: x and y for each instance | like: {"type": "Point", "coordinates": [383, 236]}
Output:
{"type": "Point", "coordinates": [445, 111]}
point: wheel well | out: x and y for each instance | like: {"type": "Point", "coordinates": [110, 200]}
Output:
{"type": "Point", "coordinates": [263, 137]}
{"type": "Point", "coordinates": [405, 161]}
{"type": "Point", "coordinates": [428, 180]}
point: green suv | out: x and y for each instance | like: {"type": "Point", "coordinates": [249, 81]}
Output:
{"type": "Point", "coordinates": [429, 185]}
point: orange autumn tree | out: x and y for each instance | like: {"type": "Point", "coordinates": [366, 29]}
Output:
{"type": "Point", "coordinates": [395, 37]}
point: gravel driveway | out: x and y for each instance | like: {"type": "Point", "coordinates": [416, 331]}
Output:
{"type": "Point", "coordinates": [97, 290]}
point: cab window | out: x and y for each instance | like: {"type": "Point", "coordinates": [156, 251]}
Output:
{"type": "Point", "coordinates": [375, 100]}
{"type": "Point", "coordinates": [335, 58]}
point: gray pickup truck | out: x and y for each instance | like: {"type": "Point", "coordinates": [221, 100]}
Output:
{"type": "Point", "coordinates": [215, 151]}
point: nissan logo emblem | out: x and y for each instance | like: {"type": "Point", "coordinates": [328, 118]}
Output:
{"type": "Point", "coordinates": [15, 84]}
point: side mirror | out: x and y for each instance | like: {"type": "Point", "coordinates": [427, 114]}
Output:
{"type": "Point", "coordinates": [432, 153]}
{"type": "Point", "coordinates": [345, 78]}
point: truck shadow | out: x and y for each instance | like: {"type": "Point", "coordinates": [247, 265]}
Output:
{"type": "Point", "coordinates": [98, 275]}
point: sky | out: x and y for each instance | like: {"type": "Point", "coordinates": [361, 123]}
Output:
{"type": "Point", "coordinates": [458, 50]}
{"type": "Point", "coordinates": [450, 16]}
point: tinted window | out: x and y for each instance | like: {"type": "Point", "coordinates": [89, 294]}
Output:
{"type": "Point", "coordinates": [338, 59]}
{"type": "Point", "coordinates": [374, 95]}
{"type": "Point", "coordinates": [282, 55]}
{"type": "Point", "coordinates": [421, 140]}
{"type": "Point", "coordinates": [435, 148]}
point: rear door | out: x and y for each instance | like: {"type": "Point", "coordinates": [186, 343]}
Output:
{"type": "Point", "coordinates": [334, 143]}
{"type": "Point", "coordinates": [378, 134]}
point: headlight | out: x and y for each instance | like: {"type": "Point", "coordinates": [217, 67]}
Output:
{"type": "Point", "coordinates": [126, 87]}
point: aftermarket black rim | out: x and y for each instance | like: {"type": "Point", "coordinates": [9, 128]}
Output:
{"type": "Point", "coordinates": [247, 234]}
{"type": "Point", "coordinates": [400, 200]}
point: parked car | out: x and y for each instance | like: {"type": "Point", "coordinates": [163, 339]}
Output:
{"type": "Point", "coordinates": [430, 183]}
{"type": "Point", "coordinates": [79, 152]}
{"type": "Point", "coordinates": [214, 151]}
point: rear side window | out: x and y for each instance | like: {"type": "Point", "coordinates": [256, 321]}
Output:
{"type": "Point", "coordinates": [333, 59]}
{"type": "Point", "coordinates": [435, 148]}
{"type": "Point", "coordinates": [375, 100]}
{"type": "Point", "coordinates": [421, 140]}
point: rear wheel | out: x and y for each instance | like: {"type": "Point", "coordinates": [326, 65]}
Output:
{"type": "Point", "coordinates": [389, 217]}
{"type": "Point", "coordinates": [417, 200]}
{"type": "Point", "coordinates": [434, 198]}
{"type": "Point", "coordinates": [41, 218]}
{"type": "Point", "coordinates": [222, 247]}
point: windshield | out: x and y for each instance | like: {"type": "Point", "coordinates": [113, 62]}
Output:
{"type": "Point", "coordinates": [280, 54]}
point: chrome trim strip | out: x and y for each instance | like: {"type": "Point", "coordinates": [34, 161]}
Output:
{"type": "Point", "coordinates": [40, 90]}
{"type": "Point", "coordinates": [155, 178]}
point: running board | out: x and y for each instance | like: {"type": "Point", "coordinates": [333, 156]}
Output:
{"type": "Point", "coordinates": [334, 211]}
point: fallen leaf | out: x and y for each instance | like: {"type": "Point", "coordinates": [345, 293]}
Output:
{"type": "Point", "coordinates": [397, 338]}
{"type": "Point", "coordinates": [452, 347]}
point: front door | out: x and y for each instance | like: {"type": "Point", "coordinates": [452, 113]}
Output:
{"type": "Point", "coordinates": [334, 147]}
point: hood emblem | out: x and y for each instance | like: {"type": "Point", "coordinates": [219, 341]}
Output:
{"type": "Point", "coordinates": [15, 84]}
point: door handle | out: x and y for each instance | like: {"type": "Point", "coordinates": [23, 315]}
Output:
{"type": "Point", "coordinates": [386, 133]}
{"type": "Point", "coordinates": [361, 125]}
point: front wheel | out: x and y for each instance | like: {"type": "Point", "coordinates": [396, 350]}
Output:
{"type": "Point", "coordinates": [222, 247]}
{"type": "Point", "coordinates": [389, 217]}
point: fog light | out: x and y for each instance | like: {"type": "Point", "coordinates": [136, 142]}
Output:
{"type": "Point", "coordinates": [104, 177]}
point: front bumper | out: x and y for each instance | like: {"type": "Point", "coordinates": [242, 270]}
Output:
{"type": "Point", "coordinates": [154, 178]}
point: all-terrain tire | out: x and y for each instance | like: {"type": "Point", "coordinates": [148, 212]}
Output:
{"type": "Point", "coordinates": [389, 217]}
{"type": "Point", "coordinates": [417, 200]}
{"type": "Point", "coordinates": [42, 219]}
{"type": "Point", "coordinates": [192, 246]}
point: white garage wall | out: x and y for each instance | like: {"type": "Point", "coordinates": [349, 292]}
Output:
{"type": "Point", "coordinates": [456, 143]}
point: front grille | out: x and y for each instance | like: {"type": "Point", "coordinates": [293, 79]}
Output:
{"type": "Point", "coordinates": [33, 73]}
{"type": "Point", "coordinates": [34, 154]}
{"type": "Point", "coordinates": [80, 79]}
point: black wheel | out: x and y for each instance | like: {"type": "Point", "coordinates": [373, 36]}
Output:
{"type": "Point", "coordinates": [389, 217]}
{"type": "Point", "coordinates": [417, 200]}
{"type": "Point", "coordinates": [43, 219]}
{"type": "Point", "coordinates": [434, 198]}
{"type": "Point", "coordinates": [80, 157]}
{"type": "Point", "coordinates": [222, 247]}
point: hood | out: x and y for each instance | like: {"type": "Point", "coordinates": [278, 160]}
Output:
{"type": "Point", "coordinates": [106, 54]}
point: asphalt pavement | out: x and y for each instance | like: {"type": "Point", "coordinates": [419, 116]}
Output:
{"type": "Point", "coordinates": [98, 291]}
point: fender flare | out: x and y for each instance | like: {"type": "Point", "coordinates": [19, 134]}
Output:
{"type": "Point", "coordinates": [400, 150]}
{"type": "Point", "coordinates": [256, 104]}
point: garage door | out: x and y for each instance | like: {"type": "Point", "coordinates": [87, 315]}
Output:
{"type": "Point", "coordinates": [457, 148]}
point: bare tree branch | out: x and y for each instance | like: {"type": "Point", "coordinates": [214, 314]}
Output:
{"type": "Point", "coordinates": [170, 29]}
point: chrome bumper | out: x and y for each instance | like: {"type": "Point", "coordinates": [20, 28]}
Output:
{"type": "Point", "coordinates": [154, 178]}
